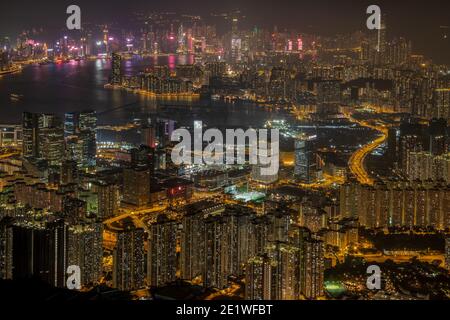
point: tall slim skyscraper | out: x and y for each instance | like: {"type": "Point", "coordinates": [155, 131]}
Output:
{"type": "Point", "coordinates": [116, 77]}
{"type": "Point", "coordinates": [30, 134]}
{"type": "Point", "coordinates": [80, 130]}
{"type": "Point", "coordinates": [258, 278]}
{"type": "Point", "coordinates": [305, 162]}
{"type": "Point", "coordinates": [311, 265]}
{"type": "Point", "coordinates": [442, 103]}
{"type": "Point", "coordinates": [129, 259]}
{"type": "Point", "coordinates": [192, 245]}
{"type": "Point", "coordinates": [162, 255]}
{"type": "Point", "coordinates": [6, 248]}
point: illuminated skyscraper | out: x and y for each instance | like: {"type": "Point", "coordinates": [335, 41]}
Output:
{"type": "Point", "coordinates": [6, 248]}
{"type": "Point", "coordinates": [85, 250]}
{"type": "Point", "coordinates": [116, 77]}
{"type": "Point", "coordinates": [312, 269]}
{"type": "Point", "coordinates": [80, 129]}
{"type": "Point", "coordinates": [305, 160]}
{"type": "Point", "coordinates": [29, 127]}
{"type": "Point", "coordinates": [442, 103]}
{"type": "Point", "coordinates": [136, 184]}
{"type": "Point", "coordinates": [258, 278]}
{"type": "Point", "coordinates": [108, 199]}
{"type": "Point", "coordinates": [162, 255]}
{"type": "Point", "coordinates": [411, 140]}
{"type": "Point", "coordinates": [129, 259]}
{"type": "Point", "coordinates": [192, 243]}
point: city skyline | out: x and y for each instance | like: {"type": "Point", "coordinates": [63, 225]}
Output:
{"type": "Point", "coordinates": [197, 151]}
{"type": "Point", "coordinates": [424, 23]}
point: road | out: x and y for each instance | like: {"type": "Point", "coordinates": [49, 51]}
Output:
{"type": "Point", "coordinates": [134, 215]}
{"type": "Point", "coordinates": [356, 162]}
{"type": "Point", "coordinates": [8, 155]}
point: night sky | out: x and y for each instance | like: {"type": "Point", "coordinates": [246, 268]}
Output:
{"type": "Point", "coordinates": [419, 21]}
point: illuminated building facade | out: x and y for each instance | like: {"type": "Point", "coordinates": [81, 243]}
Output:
{"type": "Point", "coordinates": [129, 259]}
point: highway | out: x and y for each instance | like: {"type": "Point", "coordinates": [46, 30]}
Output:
{"type": "Point", "coordinates": [8, 155]}
{"type": "Point", "coordinates": [134, 216]}
{"type": "Point", "coordinates": [356, 162]}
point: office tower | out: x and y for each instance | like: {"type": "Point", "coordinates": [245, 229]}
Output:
{"type": "Point", "coordinates": [70, 124]}
{"type": "Point", "coordinates": [145, 38]}
{"type": "Point", "coordinates": [129, 259]}
{"type": "Point", "coordinates": [108, 200]}
{"type": "Point", "coordinates": [30, 134]}
{"type": "Point", "coordinates": [86, 251]}
{"type": "Point", "coordinates": [51, 145]}
{"type": "Point", "coordinates": [80, 131]}
{"type": "Point", "coordinates": [116, 77]}
{"type": "Point", "coordinates": [305, 160]}
{"type": "Point", "coordinates": [43, 137]}
{"type": "Point", "coordinates": [236, 41]}
{"type": "Point", "coordinates": [441, 103]}
{"type": "Point", "coordinates": [382, 40]}
{"type": "Point", "coordinates": [106, 39]}
{"type": "Point", "coordinates": [162, 255]}
{"type": "Point", "coordinates": [87, 134]}
{"type": "Point", "coordinates": [136, 184]}
{"type": "Point", "coordinates": [87, 120]}
{"type": "Point", "coordinates": [41, 251]}
{"type": "Point", "coordinates": [68, 172]}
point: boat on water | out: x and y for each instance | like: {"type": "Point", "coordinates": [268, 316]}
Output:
{"type": "Point", "coordinates": [15, 97]}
